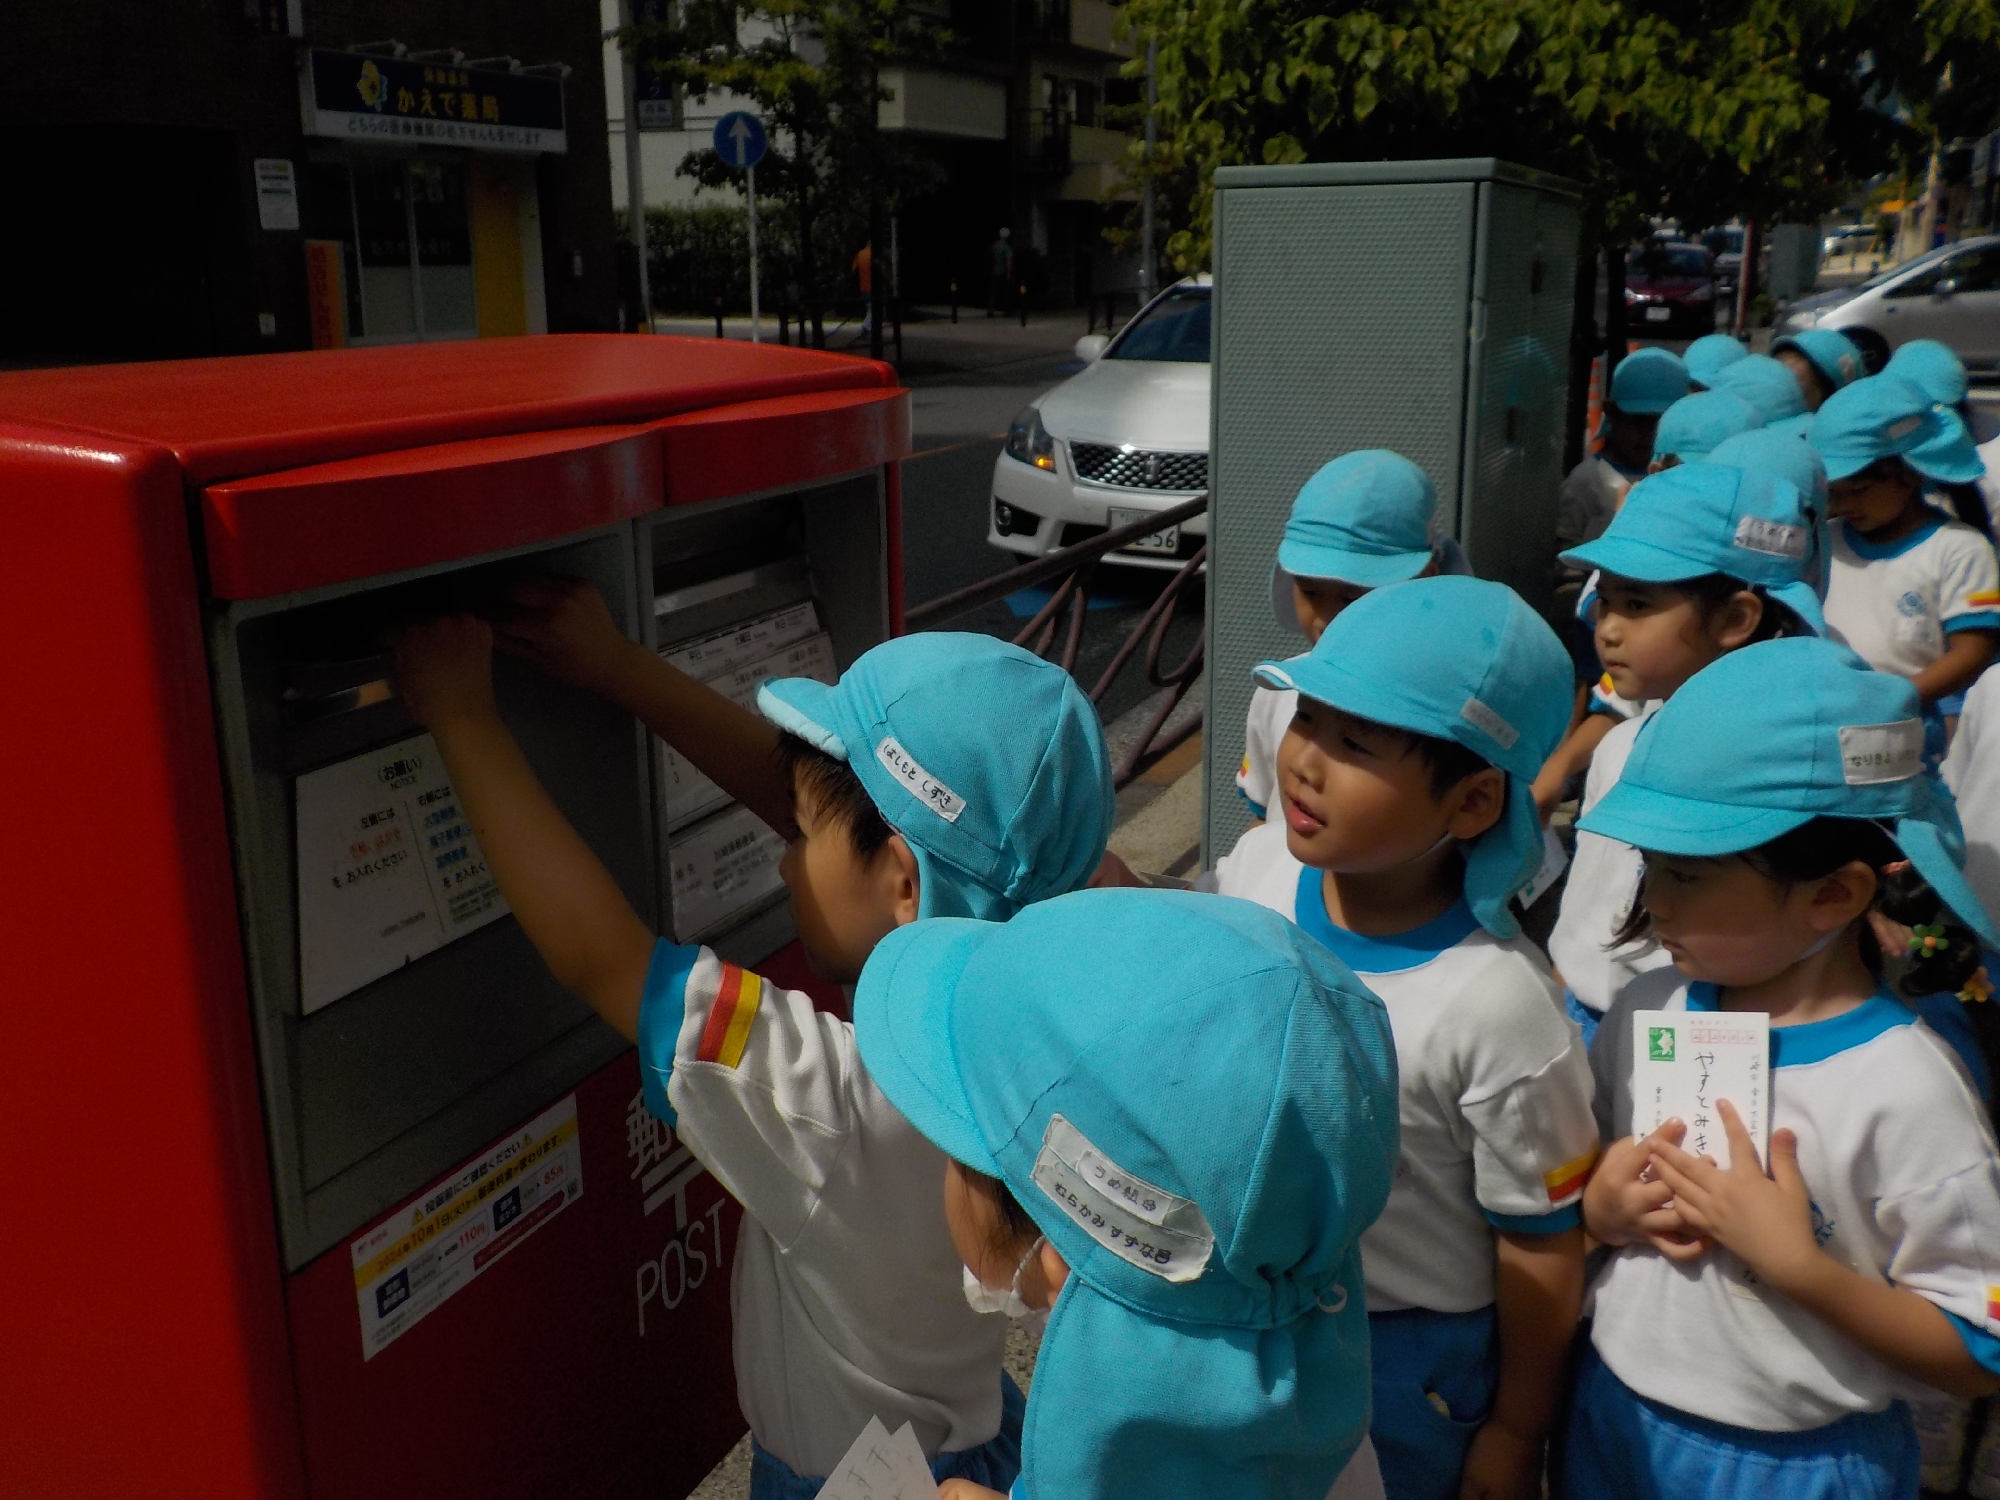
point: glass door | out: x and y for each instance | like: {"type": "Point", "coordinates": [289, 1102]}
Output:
{"type": "Point", "coordinates": [411, 249]}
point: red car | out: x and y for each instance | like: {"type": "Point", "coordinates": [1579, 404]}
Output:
{"type": "Point", "coordinates": [1669, 290]}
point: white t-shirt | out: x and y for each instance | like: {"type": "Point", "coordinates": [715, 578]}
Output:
{"type": "Point", "coordinates": [1897, 1154]}
{"type": "Point", "coordinates": [1972, 771]}
{"type": "Point", "coordinates": [1494, 1087]}
{"type": "Point", "coordinates": [1895, 604]}
{"type": "Point", "coordinates": [1271, 712]}
{"type": "Point", "coordinates": [1603, 880]}
{"type": "Point", "coordinates": [847, 1299]}
{"type": "Point", "coordinates": [1989, 482]}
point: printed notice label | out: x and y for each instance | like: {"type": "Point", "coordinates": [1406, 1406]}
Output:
{"type": "Point", "coordinates": [388, 869]}
{"type": "Point", "coordinates": [1685, 1062]}
{"type": "Point", "coordinates": [881, 1465]}
{"type": "Point", "coordinates": [721, 868]}
{"type": "Point", "coordinates": [689, 793]}
{"type": "Point", "coordinates": [1137, 1221]}
{"type": "Point", "coordinates": [420, 1255]}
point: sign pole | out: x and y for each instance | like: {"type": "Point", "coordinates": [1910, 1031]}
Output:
{"type": "Point", "coordinates": [635, 173]}
{"type": "Point", "coordinates": [756, 325]}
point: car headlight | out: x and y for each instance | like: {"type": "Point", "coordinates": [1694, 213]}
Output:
{"type": "Point", "coordinates": [1801, 320]}
{"type": "Point", "coordinates": [1703, 293]}
{"type": "Point", "coordinates": [1028, 441]}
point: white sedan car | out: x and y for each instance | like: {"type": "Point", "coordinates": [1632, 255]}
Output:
{"type": "Point", "coordinates": [1124, 438]}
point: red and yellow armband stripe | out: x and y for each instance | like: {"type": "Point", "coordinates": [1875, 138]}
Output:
{"type": "Point", "coordinates": [1567, 1180]}
{"type": "Point", "coordinates": [728, 1030]}
{"type": "Point", "coordinates": [1993, 1304]}
{"type": "Point", "coordinates": [1985, 599]}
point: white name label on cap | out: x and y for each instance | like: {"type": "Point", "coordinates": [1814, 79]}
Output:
{"type": "Point", "coordinates": [1483, 718]}
{"type": "Point", "coordinates": [1902, 429]}
{"type": "Point", "coordinates": [1872, 753]}
{"type": "Point", "coordinates": [1141, 1224]}
{"type": "Point", "coordinates": [925, 787]}
{"type": "Point", "coordinates": [1755, 534]}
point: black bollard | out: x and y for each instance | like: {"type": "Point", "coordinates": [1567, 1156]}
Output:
{"type": "Point", "coordinates": [718, 315]}
{"type": "Point", "coordinates": [954, 299]}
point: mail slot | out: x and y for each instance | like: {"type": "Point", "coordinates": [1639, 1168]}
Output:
{"type": "Point", "coordinates": [353, 1198]}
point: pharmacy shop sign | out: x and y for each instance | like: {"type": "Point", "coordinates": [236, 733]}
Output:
{"type": "Point", "coordinates": [388, 100]}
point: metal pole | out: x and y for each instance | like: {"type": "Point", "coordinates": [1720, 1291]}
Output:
{"type": "Point", "coordinates": [635, 174]}
{"type": "Point", "coordinates": [756, 326]}
{"type": "Point", "coordinates": [1146, 210]}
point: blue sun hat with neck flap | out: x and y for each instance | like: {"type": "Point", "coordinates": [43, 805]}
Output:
{"type": "Point", "coordinates": [989, 761]}
{"type": "Point", "coordinates": [1705, 518]}
{"type": "Point", "coordinates": [1766, 385]}
{"type": "Point", "coordinates": [1459, 659]}
{"type": "Point", "coordinates": [1709, 355]}
{"type": "Point", "coordinates": [1731, 762]}
{"type": "Point", "coordinates": [1886, 416]}
{"type": "Point", "coordinates": [1648, 381]}
{"type": "Point", "coordinates": [1196, 1104]}
{"type": "Point", "coordinates": [1933, 368]}
{"type": "Point", "coordinates": [1829, 351]}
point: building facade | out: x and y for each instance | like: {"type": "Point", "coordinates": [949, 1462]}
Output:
{"type": "Point", "coordinates": [1015, 121]}
{"type": "Point", "coordinates": [229, 176]}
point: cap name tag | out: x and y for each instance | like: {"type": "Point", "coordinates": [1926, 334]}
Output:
{"type": "Point", "coordinates": [925, 787]}
{"type": "Point", "coordinates": [1774, 538]}
{"type": "Point", "coordinates": [1491, 724]}
{"type": "Point", "coordinates": [1873, 753]}
{"type": "Point", "coordinates": [1143, 1225]}
{"type": "Point", "coordinates": [1899, 430]}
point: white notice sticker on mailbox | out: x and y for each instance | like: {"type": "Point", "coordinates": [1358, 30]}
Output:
{"type": "Point", "coordinates": [388, 869]}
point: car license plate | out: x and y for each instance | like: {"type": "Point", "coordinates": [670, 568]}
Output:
{"type": "Point", "coordinates": [1658, 314]}
{"type": "Point", "coordinates": [1167, 540]}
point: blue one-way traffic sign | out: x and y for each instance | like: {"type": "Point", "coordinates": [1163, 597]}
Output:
{"type": "Point", "coordinates": [739, 139]}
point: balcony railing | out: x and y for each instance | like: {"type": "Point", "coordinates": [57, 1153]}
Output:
{"type": "Point", "coordinates": [1042, 140]}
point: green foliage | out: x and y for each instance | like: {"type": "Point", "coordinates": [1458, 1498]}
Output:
{"type": "Point", "coordinates": [1695, 109]}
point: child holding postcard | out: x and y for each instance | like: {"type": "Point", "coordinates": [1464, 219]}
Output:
{"type": "Point", "coordinates": [1759, 1334]}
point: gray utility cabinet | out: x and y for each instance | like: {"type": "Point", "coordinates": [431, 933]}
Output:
{"type": "Point", "coordinates": [1422, 306]}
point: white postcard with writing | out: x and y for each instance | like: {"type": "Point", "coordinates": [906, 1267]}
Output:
{"type": "Point", "coordinates": [882, 1466]}
{"type": "Point", "coordinates": [1685, 1062]}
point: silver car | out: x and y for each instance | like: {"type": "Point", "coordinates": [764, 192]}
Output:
{"type": "Point", "coordinates": [1951, 294]}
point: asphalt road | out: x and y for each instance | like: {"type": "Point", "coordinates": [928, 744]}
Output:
{"type": "Point", "coordinates": [959, 422]}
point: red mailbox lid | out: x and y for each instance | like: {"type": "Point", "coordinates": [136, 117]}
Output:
{"type": "Point", "coordinates": [253, 414]}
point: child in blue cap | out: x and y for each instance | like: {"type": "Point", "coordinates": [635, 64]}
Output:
{"type": "Point", "coordinates": [1365, 519]}
{"type": "Point", "coordinates": [1167, 1120]}
{"type": "Point", "coordinates": [1759, 1334]}
{"type": "Point", "coordinates": [1766, 385]}
{"type": "Point", "coordinates": [1645, 383]}
{"type": "Point", "coordinates": [1702, 560]}
{"type": "Point", "coordinates": [1407, 828]}
{"type": "Point", "coordinates": [1914, 591]}
{"type": "Point", "coordinates": [1693, 425]}
{"type": "Point", "coordinates": [943, 774]}
{"type": "Point", "coordinates": [1708, 356]}
{"type": "Point", "coordinates": [1937, 371]}
{"type": "Point", "coordinates": [1822, 360]}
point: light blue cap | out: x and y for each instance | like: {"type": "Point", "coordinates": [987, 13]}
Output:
{"type": "Point", "coordinates": [1459, 659]}
{"type": "Point", "coordinates": [1648, 381]}
{"type": "Point", "coordinates": [1770, 737]}
{"type": "Point", "coordinates": [1887, 415]}
{"type": "Point", "coordinates": [1196, 1103]}
{"type": "Point", "coordinates": [1709, 355]}
{"type": "Point", "coordinates": [1766, 385]}
{"type": "Point", "coordinates": [1829, 351]}
{"type": "Point", "coordinates": [1693, 425]}
{"type": "Point", "coordinates": [1368, 518]}
{"type": "Point", "coordinates": [1933, 368]}
{"type": "Point", "coordinates": [988, 760]}
{"type": "Point", "coordinates": [1779, 450]}
{"type": "Point", "coordinates": [1703, 518]}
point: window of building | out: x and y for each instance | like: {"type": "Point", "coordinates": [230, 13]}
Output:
{"type": "Point", "coordinates": [406, 235]}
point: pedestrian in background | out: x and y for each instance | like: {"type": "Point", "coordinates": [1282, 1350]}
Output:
{"type": "Point", "coordinates": [1001, 281]}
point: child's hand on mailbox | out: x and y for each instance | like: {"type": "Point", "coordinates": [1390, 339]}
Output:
{"type": "Point", "coordinates": [444, 669]}
{"type": "Point", "coordinates": [562, 626]}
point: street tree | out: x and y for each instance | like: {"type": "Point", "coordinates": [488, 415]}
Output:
{"type": "Point", "coordinates": [813, 70]}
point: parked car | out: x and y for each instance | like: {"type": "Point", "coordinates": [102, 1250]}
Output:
{"type": "Point", "coordinates": [1125, 437]}
{"type": "Point", "coordinates": [1951, 294]}
{"type": "Point", "coordinates": [1724, 244]}
{"type": "Point", "coordinates": [1670, 290]}
{"type": "Point", "coordinates": [1847, 240]}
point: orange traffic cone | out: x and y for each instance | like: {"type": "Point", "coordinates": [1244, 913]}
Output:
{"type": "Point", "coordinates": [1593, 420]}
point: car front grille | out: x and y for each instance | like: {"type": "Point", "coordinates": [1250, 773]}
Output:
{"type": "Point", "coordinates": [1100, 463]}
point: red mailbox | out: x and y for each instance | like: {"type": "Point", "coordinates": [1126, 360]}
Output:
{"type": "Point", "coordinates": [323, 1187]}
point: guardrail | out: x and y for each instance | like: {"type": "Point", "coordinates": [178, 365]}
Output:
{"type": "Point", "coordinates": [1075, 564]}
